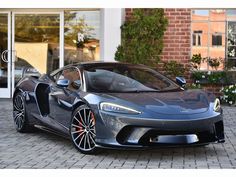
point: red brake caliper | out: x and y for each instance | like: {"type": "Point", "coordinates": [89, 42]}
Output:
{"type": "Point", "coordinates": [93, 118]}
{"type": "Point", "coordinates": [80, 126]}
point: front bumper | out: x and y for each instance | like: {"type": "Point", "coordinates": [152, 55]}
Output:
{"type": "Point", "coordinates": [122, 131]}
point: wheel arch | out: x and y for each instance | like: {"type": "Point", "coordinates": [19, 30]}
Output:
{"type": "Point", "coordinates": [17, 90]}
{"type": "Point", "coordinates": [78, 104]}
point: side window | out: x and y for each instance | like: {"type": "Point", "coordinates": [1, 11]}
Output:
{"type": "Point", "coordinates": [56, 76]}
{"type": "Point", "coordinates": [73, 75]}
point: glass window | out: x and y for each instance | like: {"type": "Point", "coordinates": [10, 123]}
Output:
{"type": "Point", "coordinates": [126, 79]}
{"type": "Point", "coordinates": [3, 47]}
{"type": "Point", "coordinates": [197, 38]}
{"type": "Point", "coordinates": [82, 36]}
{"type": "Point", "coordinates": [216, 40]}
{"type": "Point", "coordinates": [71, 74]}
{"type": "Point", "coordinates": [36, 44]}
{"type": "Point", "coordinates": [194, 40]}
{"type": "Point", "coordinates": [231, 12]}
{"type": "Point", "coordinates": [212, 43]}
{"type": "Point", "coordinates": [201, 12]}
{"type": "Point", "coordinates": [231, 40]}
{"type": "Point", "coordinates": [200, 31]}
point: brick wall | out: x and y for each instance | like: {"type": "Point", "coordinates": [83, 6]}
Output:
{"type": "Point", "coordinates": [177, 38]}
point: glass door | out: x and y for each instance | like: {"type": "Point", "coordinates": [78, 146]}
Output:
{"type": "Point", "coordinates": [36, 42]}
{"type": "Point", "coordinates": [5, 90]}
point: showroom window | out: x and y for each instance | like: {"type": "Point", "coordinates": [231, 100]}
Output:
{"type": "Point", "coordinates": [36, 40]}
{"type": "Point", "coordinates": [81, 36]}
{"type": "Point", "coordinates": [218, 35]}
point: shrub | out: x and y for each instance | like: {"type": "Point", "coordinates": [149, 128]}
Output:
{"type": "Point", "coordinates": [194, 86]}
{"type": "Point", "coordinates": [196, 61]}
{"type": "Point", "coordinates": [197, 76]}
{"type": "Point", "coordinates": [229, 94]}
{"type": "Point", "coordinates": [216, 77]}
{"type": "Point", "coordinates": [214, 63]}
{"type": "Point", "coordinates": [142, 37]}
{"type": "Point", "coordinates": [173, 68]}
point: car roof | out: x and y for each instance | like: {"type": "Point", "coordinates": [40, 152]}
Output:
{"type": "Point", "coordinates": [86, 65]}
{"type": "Point", "coordinates": [91, 64]}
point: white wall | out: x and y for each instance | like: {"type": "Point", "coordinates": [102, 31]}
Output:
{"type": "Point", "coordinates": [111, 20]}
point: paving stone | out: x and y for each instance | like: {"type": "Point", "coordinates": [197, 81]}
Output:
{"type": "Point", "coordinates": [45, 150]}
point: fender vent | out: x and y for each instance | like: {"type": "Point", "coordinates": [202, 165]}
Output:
{"type": "Point", "coordinates": [42, 92]}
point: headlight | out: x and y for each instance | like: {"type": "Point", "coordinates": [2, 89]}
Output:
{"type": "Point", "coordinates": [111, 107]}
{"type": "Point", "coordinates": [217, 105]}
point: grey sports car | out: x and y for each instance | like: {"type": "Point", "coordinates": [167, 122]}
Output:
{"type": "Point", "coordinates": [100, 104]}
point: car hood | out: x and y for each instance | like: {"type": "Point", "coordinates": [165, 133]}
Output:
{"type": "Point", "coordinates": [180, 102]}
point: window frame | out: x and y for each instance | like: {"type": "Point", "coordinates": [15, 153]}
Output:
{"type": "Point", "coordinates": [198, 37]}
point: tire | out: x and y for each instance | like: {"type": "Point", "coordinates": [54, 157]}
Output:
{"type": "Point", "coordinates": [82, 130]}
{"type": "Point", "coordinates": [19, 114]}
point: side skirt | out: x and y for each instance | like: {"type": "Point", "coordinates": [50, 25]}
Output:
{"type": "Point", "coordinates": [44, 128]}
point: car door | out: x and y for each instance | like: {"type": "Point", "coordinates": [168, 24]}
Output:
{"type": "Point", "coordinates": [61, 98]}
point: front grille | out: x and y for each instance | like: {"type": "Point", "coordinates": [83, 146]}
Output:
{"type": "Point", "coordinates": [177, 137]}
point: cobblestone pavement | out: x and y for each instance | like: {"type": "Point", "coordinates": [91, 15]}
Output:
{"type": "Point", "coordinates": [45, 150]}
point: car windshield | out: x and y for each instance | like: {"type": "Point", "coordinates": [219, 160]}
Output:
{"type": "Point", "coordinates": [126, 79]}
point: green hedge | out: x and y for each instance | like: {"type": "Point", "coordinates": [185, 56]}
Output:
{"type": "Point", "coordinates": [142, 37]}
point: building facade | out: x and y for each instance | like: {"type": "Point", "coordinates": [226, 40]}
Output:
{"type": "Point", "coordinates": [209, 32]}
{"type": "Point", "coordinates": [36, 41]}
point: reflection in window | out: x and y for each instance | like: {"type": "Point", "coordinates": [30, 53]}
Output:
{"type": "Point", "coordinates": [82, 34]}
{"type": "Point", "coordinates": [208, 31]}
{"type": "Point", "coordinates": [201, 12]}
{"type": "Point", "coordinates": [36, 44]}
{"type": "Point", "coordinates": [197, 35]}
{"type": "Point", "coordinates": [231, 40]}
{"type": "Point", "coordinates": [217, 40]}
{"type": "Point", "coordinates": [231, 12]}
{"type": "Point", "coordinates": [231, 43]}
{"type": "Point", "coordinates": [3, 47]}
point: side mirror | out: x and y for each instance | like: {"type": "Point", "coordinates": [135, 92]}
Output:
{"type": "Point", "coordinates": [181, 81]}
{"type": "Point", "coordinates": [76, 84]}
{"type": "Point", "coordinates": [63, 82]}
